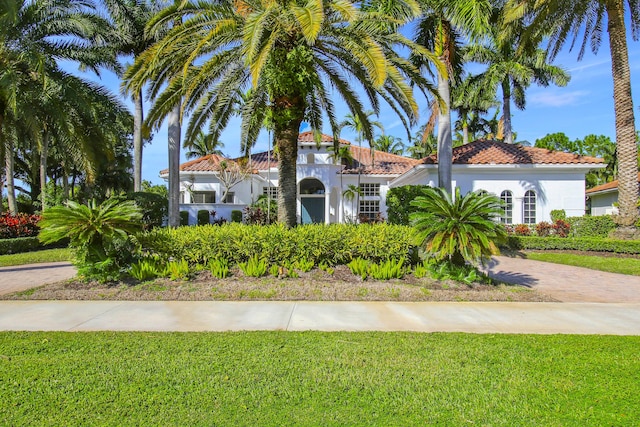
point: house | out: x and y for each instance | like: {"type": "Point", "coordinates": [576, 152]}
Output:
{"type": "Point", "coordinates": [531, 181]}
{"type": "Point", "coordinates": [603, 198]}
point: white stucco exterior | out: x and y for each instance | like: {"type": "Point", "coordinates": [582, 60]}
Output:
{"type": "Point", "coordinates": [321, 187]}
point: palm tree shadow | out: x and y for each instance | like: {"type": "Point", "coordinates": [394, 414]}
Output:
{"type": "Point", "coordinates": [492, 269]}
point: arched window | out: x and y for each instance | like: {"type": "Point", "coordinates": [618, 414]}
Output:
{"type": "Point", "coordinates": [507, 207]}
{"type": "Point", "coordinates": [529, 207]}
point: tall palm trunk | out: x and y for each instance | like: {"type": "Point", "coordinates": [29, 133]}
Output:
{"type": "Point", "coordinates": [286, 140]}
{"type": "Point", "coordinates": [174, 166]}
{"type": "Point", "coordinates": [506, 113]}
{"type": "Point", "coordinates": [44, 152]}
{"type": "Point", "coordinates": [9, 171]}
{"type": "Point", "coordinates": [445, 150]}
{"type": "Point", "coordinates": [137, 142]}
{"type": "Point", "coordinates": [627, 150]}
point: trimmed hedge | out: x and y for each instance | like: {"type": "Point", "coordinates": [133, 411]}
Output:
{"type": "Point", "coordinates": [204, 217]}
{"type": "Point", "coordinates": [236, 216]}
{"type": "Point", "coordinates": [331, 244]}
{"type": "Point", "coordinates": [575, 244]}
{"type": "Point", "coordinates": [19, 244]}
{"type": "Point", "coordinates": [591, 226]}
{"type": "Point", "coordinates": [399, 202]}
{"type": "Point", "coordinates": [184, 218]}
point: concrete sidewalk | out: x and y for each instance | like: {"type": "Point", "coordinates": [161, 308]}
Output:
{"type": "Point", "coordinates": [530, 318]}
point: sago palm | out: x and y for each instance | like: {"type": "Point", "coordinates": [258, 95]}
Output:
{"type": "Point", "coordinates": [94, 230]}
{"type": "Point", "coordinates": [460, 229]}
{"type": "Point", "coordinates": [292, 54]}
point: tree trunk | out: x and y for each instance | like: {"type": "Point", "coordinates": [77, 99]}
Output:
{"type": "Point", "coordinates": [174, 166]}
{"type": "Point", "coordinates": [11, 189]}
{"type": "Point", "coordinates": [445, 150]}
{"type": "Point", "coordinates": [506, 107]}
{"type": "Point", "coordinates": [44, 151]}
{"type": "Point", "coordinates": [286, 139]}
{"type": "Point", "coordinates": [465, 132]}
{"type": "Point", "coordinates": [137, 142]}
{"type": "Point", "coordinates": [627, 150]}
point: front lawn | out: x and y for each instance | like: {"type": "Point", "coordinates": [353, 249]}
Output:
{"type": "Point", "coordinates": [612, 264]}
{"type": "Point", "coordinates": [313, 378]}
{"type": "Point", "coordinates": [36, 257]}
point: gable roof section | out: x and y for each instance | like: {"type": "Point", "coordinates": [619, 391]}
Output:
{"type": "Point", "coordinates": [607, 187]}
{"type": "Point", "coordinates": [307, 137]}
{"type": "Point", "coordinates": [381, 163]}
{"type": "Point", "coordinates": [485, 152]}
{"type": "Point", "coordinates": [385, 163]}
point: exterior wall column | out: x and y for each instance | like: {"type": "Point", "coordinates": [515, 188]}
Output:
{"type": "Point", "coordinates": [327, 205]}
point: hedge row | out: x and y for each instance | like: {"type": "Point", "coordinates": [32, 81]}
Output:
{"type": "Point", "coordinates": [591, 226]}
{"type": "Point", "coordinates": [331, 244]}
{"type": "Point", "coordinates": [576, 244]}
{"type": "Point", "coordinates": [19, 244]}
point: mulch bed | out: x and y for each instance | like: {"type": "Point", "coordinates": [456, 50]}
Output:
{"type": "Point", "coordinates": [316, 285]}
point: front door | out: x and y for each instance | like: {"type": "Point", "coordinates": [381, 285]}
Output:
{"type": "Point", "coordinates": [312, 210]}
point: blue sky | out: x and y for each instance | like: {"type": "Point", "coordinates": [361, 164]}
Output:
{"type": "Point", "coordinates": [583, 107]}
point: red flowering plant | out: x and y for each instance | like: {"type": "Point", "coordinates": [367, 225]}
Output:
{"type": "Point", "coordinates": [20, 225]}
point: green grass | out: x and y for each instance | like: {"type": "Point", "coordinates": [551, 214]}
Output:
{"type": "Point", "coordinates": [629, 266]}
{"type": "Point", "coordinates": [312, 378]}
{"type": "Point", "coordinates": [36, 257]}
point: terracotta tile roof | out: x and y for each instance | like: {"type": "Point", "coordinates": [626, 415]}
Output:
{"type": "Point", "coordinates": [483, 152]}
{"type": "Point", "coordinates": [608, 186]}
{"type": "Point", "coordinates": [381, 164]}
{"type": "Point", "coordinates": [202, 164]}
{"type": "Point", "coordinates": [308, 137]}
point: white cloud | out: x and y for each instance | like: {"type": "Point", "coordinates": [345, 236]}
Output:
{"type": "Point", "coordinates": [557, 98]}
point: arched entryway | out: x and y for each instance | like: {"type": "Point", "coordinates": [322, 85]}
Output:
{"type": "Point", "coordinates": [312, 201]}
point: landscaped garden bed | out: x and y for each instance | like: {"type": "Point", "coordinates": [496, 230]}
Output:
{"type": "Point", "coordinates": [315, 285]}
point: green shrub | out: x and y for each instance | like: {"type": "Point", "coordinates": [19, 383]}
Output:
{"type": "Point", "coordinates": [274, 270]}
{"type": "Point", "coordinates": [184, 218]}
{"type": "Point", "coordinates": [421, 270]}
{"type": "Point", "coordinates": [236, 216]}
{"type": "Point", "coordinates": [467, 274]}
{"type": "Point", "coordinates": [335, 244]}
{"type": "Point", "coordinates": [19, 244]}
{"type": "Point", "coordinates": [204, 217]}
{"type": "Point", "coordinates": [254, 267]}
{"type": "Point", "coordinates": [177, 270]}
{"type": "Point", "coordinates": [387, 270]}
{"type": "Point", "coordinates": [576, 244]}
{"type": "Point", "coordinates": [219, 268]}
{"type": "Point", "coordinates": [303, 265]}
{"type": "Point", "coordinates": [154, 208]}
{"type": "Point", "coordinates": [459, 229]}
{"type": "Point", "coordinates": [591, 226]}
{"type": "Point", "coordinates": [399, 202]}
{"type": "Point", "coordinates": [359, 267]}
{"type": "Point", "coordinates": [100, 235]}
{"type": "Point", "coordinates": [144, 270]}
{"type": "Point", "coordinates": [557, 214]}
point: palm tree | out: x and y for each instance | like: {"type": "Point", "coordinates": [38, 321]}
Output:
{"type": "Point", "coordinates": [564, 20]}
{"type": "Point", "coordinates": [202, 145]}
{"type": "Point", "coordinates": [128, 37]}
{"type": "Point", "coordinates": [352, 193]}
{"type": "Point", "coordinates": [470, 102]}
{"type": "Point", "coordinates": [289, 53]}
{"type": "Point", "coordinates": [33, 35]}
{"type": "Point", "coordinates": [388, 144]}
{"type": "Point", "coordinates": [364, 131]}
{"type": "Point", "coordinates": [440, 30]}
{"type": "Point", "coordinates": [343, 155]}
{"type": "Point", "coordinates": [510, 68]}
